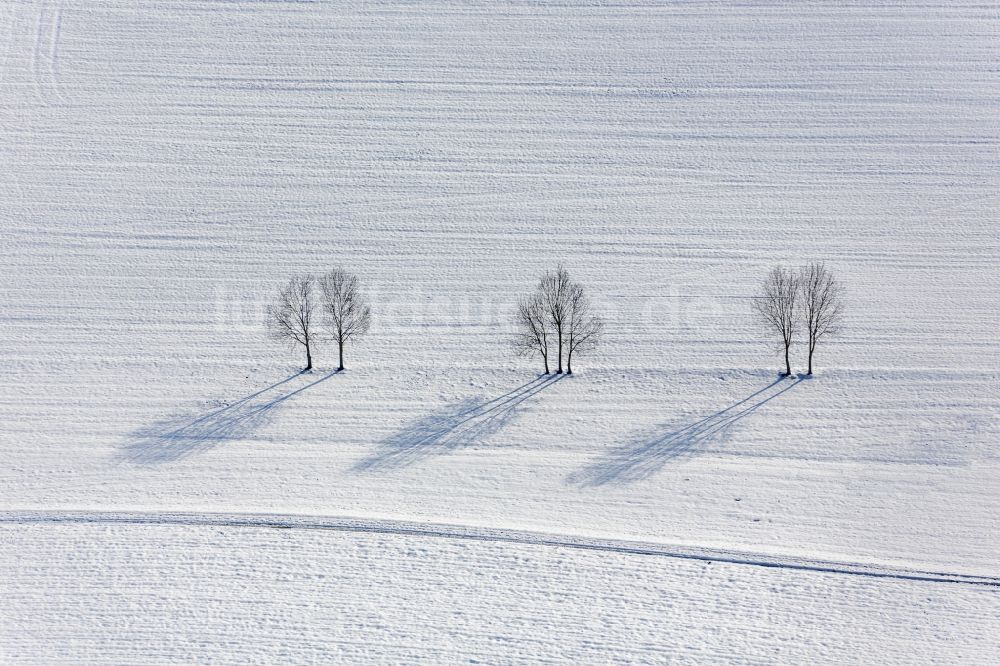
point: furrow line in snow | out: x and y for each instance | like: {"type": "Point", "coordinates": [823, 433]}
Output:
{"type": "Point", "coordinates": [444, 531]}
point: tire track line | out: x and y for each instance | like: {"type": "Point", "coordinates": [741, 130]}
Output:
{"type": "Point", "coordinates": [483, 534]}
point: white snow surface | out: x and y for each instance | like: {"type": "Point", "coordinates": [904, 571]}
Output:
{"type": "Point", "coordinates": [166, 165]}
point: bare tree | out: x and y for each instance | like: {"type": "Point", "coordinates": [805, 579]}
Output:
{"type": "Point", "coordinates": [822, 304]}
{"type": "Point", "coordinates": [558, 314]}
{"type": "Point", "coordinates": [555, 291]}
{"type": "Point", "coordinates": [583, 327]}
{"type": "Point", "coordinates": [291, 316]}
{"type": "Point", "coordinates": [532, 335]}
{"type": "Point", "coordinates": [348, 316]}
{"type": "Point", "coordinates": [776, 306]}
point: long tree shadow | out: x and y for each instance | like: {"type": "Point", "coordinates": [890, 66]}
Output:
{"type": "Point", "coordinates": [647, 453]}
{"type": "Point", "coordinates": [457, 425]}
{"type": "Point", "coordinates": [182, 435]}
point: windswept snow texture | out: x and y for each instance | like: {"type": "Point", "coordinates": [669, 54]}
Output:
{"type": "Point", "coordinates": [260, 595]}
{"type": "Point", "coordinates": [166, 165]}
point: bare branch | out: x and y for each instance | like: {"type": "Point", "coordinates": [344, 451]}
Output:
{"type": "Point", "coordinates": [291, 316]}
{"type": "Point", "coordinates": [822, 304]}
{"type": "Point", "coordinates": [555, 288]}
{"type": "Point", "coordinates": [348, 315]}
{"type": "Point", "coordinates": [583, 327]}
{"type": "Point", "coordinates": [557, 314]}
{"type": "Point", "coordinates": [532, 334]}
{"type": "Point", "coordinates": [777, 305]}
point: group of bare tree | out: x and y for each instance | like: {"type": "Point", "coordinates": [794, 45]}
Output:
{"type": "Point", "coordinates": [557, 317]}
{"type": "Point", "coordinates": [336, 297]}
{"type": "Point", "coordinates": [790, 301]}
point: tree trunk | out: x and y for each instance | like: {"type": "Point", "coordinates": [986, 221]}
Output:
{"type": "Point", "coordinates": [810, 361]}
{"type": "Point", "coordinates": [788, 364]}
{"type": "Point", "coordinates": [559, 369]}
{"type": "Point", "coordinates": [341, 350]}
{"type": "Point", "coordinates": [569, 361]}
{"type": "Point", "coordinates": [309, 358]}
{"type": "Point", "coordinates": [545, 357]}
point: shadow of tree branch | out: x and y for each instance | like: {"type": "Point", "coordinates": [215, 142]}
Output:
{"type": "Point", "coordinates": [457, 425]}
{"type": "Point", "coordinates": [180, 436]}
{"type": "Point", "coordinates": [647, 452]}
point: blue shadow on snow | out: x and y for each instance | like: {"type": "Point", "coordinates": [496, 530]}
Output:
{"type": "Point", "coordinates": [184, 435]}
{"type": "Point", "coordinates": [647, 453]}
{"type": "Point", "coordinates": [458, 425]}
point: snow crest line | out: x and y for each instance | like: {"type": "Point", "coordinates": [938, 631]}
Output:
{"type": "Point", "coordinates": [443, 531]}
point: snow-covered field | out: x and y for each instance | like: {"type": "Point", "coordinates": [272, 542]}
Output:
{"type": "Point", "coordinates": [166, 165]}
{"type": "Point", "coordinates": [100, 593]}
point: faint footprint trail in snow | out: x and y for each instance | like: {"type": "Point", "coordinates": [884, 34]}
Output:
{"type": "Point", "coordinates": [183, 435]}
{"type": "Point", "coordinates": [647, 453]}
{"type": "Point", "coordinates": [45, 54]}
{"type": "Point", "coordinates": [461, 424]}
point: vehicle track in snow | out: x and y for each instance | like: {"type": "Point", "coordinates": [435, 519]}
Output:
{"type": "Point", "coordinates": [472, 533]}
